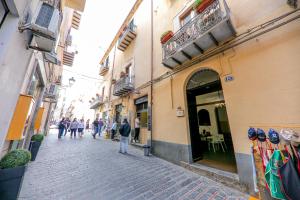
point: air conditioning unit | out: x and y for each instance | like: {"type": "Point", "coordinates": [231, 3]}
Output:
{"type": "Point", "coordinates": [45, 25]}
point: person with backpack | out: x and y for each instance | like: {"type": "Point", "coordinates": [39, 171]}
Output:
{"type": "Point", "coordinates": [124, 132]}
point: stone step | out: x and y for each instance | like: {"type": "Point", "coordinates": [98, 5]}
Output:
{"type": "Point", "coordinates": [226, 178]}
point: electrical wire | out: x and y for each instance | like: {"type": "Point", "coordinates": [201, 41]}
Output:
{"type": "Point", "coordinates": [84, 75]}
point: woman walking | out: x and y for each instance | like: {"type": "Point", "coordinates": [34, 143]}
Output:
{"type": "Point", "coordinates": [80, 127]}
{"type": "Point", "coordinates": [74, 127]}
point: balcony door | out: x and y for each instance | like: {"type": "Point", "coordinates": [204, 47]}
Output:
{"type": "Point", "coordinates": [210, 134]}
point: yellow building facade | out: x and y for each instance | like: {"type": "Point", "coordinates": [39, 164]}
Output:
{"type": "Point", "coordinates": [232, 66]}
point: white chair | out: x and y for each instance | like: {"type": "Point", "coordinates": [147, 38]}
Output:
{"type": "Point", "coordinates": [221, 138]}
{"type": "Point", "coordinates": [215, 141]}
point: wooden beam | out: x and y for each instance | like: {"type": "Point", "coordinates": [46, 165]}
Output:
{"type": "Point", "coordinates": [186, 55]}
{"type": "Point", "coordinates": [213, 39]}
{"type": "Point", "coordinates": [168, 66]}
{"type": "Point", "coordinates": [177, 61]}
{"type": "Point", "coordinates": [198, 47]}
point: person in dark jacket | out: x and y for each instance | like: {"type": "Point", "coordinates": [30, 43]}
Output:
{"type": "Point", "coordinates": [61, 127]}
{"type": "Point", "coordinates": [124, 132]}
{"type": "Point", "coordinates": [67, 125]}
{"type": "Point", "coordinates": [96, 127]}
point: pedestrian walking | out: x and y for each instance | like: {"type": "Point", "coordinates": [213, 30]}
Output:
{"type": "Point", "coordinates": [124, 132]}
{"type": "Point", "coordinates": [87, 124]}
{"type": "Point", "coordinates": [136, 129]}
{"type": "Point", "coordinates": [61, 127]}
{"type": "Point", "coordinates": [67, 124]}
{"type": "Point", "coordinates": [81, 127]}
{"type": "Point", "coordinates": [95, 127]}
{"type": "Point", "coordinates": [101, 125]}
{"type": "Point", "coordinates": [74, 127]}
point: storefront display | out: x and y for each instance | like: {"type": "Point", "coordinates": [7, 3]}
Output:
{"type": "Point", "coordinates": [278, 166]}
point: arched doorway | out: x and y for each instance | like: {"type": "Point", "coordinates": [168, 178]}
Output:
{"type": "Point", "coordinates": [211, 140]}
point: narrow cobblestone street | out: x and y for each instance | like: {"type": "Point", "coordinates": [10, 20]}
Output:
{"type": "Point", "coordinates": [93, 169]}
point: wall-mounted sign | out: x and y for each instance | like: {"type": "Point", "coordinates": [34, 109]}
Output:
{"type": "Point", "coordinates": [179, 112]}
{"type": "Point", "coordinates": [229, 78]}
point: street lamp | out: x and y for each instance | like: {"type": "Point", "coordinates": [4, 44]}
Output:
{"type": "Point", "coordinates": [71, 81]}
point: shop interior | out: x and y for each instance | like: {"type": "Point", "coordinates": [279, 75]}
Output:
{"type": "Point", "coordinates": [211, 139]}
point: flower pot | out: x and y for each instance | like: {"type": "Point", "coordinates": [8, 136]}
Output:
{"type": "Point", "coordinates": [34, 148]}
{"type": "Point", "coordinates": [202, 6]}
{"type": "Point", "coordinates": [165, 38]}
{"type": "Point", "coordinates": [10, 182]}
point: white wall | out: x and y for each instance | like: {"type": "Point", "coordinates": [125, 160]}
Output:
{"type": "Point", "coordinates": [14, 60]}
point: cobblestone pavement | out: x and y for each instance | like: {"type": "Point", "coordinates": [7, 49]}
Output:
{"type": "Point", "coordinates": [93, 169]}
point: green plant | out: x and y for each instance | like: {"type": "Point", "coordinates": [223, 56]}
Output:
{"type": "Point", "coordinates": [15, 158]}
{"type": "Point", "coordinates": [37, 137]}
{"type": "Point", "coordinates": [197, 3]}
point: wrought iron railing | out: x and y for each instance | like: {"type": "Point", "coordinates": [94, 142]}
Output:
{"type": "Point", "coordinates": [104, 68]}
{"type": "Point", "coordinates": [131, 27]}
{"type": "Point", "coordinates": [195, 28]}
{"type": "Point", "coordinates": [96, 102]}
{"type": "Point", "coordinates": [124, 84]}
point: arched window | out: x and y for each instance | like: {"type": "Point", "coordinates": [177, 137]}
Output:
{"type": "Point", "coordinates": [203, 117]}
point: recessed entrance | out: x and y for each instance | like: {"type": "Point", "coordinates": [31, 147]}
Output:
{"type": "Point", "coordinates": [211, 140]}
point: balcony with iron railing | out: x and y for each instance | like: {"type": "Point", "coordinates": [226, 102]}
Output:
{"type": "Point", "coordinates": [123, 86]}
{"type": "Point", "coordinates": [209, 29]}
{"type": "Point", "coordinates": [96, 102]}
{"type": "Point", "coordinates": [103, 70]}
{"type": "Point", "coordinates": [127, 36]}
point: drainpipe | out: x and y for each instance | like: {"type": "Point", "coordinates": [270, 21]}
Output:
{"type": "Point", "coordinates": [151, 88]}
{"type": "Point", "coordinates": [111, 78]}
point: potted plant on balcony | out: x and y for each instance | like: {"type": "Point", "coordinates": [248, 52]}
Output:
{"type": "Point", "coordinates": [12, 169]}
{"type": "Point", "coordinates": [166, 36]}
{"type": "Point", "coordinates": [201, 5]}
{"type": "Point", "coordinates": [35, 143]}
